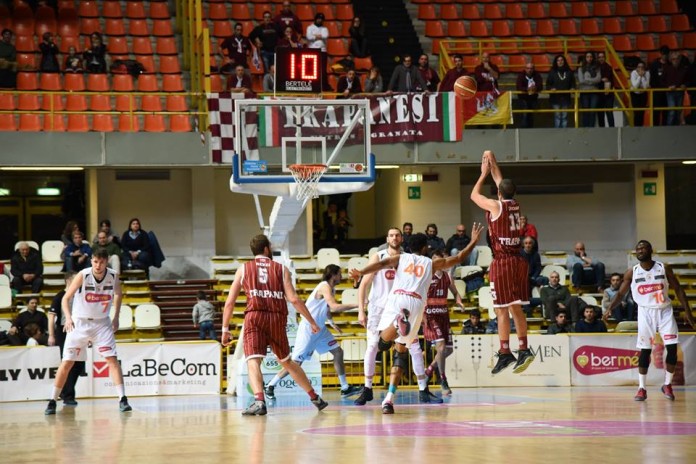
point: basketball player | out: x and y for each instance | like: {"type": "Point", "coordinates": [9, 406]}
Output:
{"type": "Point", "coordinates": [381, 285]}
{"type": "Point", "coordinates": [508, 271]}
{"type": "Point", "coordinates": [649, 282]}
{"type": "Point", "coordinates": [403, 311]}
{"type": "Point", "coordinates": [268, 289]}
{"type": "Point", "coordinates": [320, 304]}
{"type": "Point", "coordinates": [436, 324]}
{"type": "Point", "coordinates": [93, 292]}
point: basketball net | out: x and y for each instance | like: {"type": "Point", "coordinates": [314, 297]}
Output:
{"type": "Point", "coordinates": [307, 179]}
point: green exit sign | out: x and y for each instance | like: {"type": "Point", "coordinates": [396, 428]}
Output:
{"type": "Point", "coordinates": [649, 188]}
{"type": "Point", "coordinates": [414, 193]}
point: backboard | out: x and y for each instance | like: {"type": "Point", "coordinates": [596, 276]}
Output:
{"type": "Point", "coordinates": [271, 135]}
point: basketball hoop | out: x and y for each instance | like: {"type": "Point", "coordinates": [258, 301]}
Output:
{"type": "Point", "coordinates": [307, 179]}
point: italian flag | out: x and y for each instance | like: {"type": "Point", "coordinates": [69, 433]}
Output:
{"type": "Point", "coordinates": [269, 126]}
{"type": "Point", "coordinates": [452, 117]}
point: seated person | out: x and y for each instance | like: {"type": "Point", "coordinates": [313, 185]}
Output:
{"type": "Point", "coordinates": [459, 241]}
{"type": "Point", "coordinates": [70, 227]}
{"type": "Point", "coordinates": [136, 247]}
{"type": "Point", "coordinates": [112, 248]}
{"type": "Point", "coordinates": [473, 325]}
{"type": "Point", "coordinates": [78, 254]}
{"type": "Point", "coordinates": [627, 309]}
{"type": "Point", "coordinates": [533, 259]}
{"type": "Point", "coordinates": [31, 315]}
{"type": "Point", "coordinates": [348, 85]}
{"type": "Point", "coordinates": [584, 270]}
{"type": "Point", "coordinates": [529, 230]}
{"type": "Point", "coordinates": [34, 334]}
{"type": "Point", "coordinates": [562, 324]}
{"type": "Point", "coordinates": [27, 269]}
{"type": "Point", "coordinates": [240, 82]}
{"type": "Point", "coordinates": [590, 324]}
{"type": "Point", "coordinates": [555, 297]}
{"type": "Point", "coordinates": [111, 236]}
{"type": "Point", "coordinates": [434, 242]}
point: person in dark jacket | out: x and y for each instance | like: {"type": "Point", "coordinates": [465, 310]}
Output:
{"type": "Point", "coordinates": [136, 247]}
{"type": "Point", "coordinates": [27, 269]}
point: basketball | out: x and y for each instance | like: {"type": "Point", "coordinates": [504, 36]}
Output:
{"type": "Point", "coordinates": [465, 87]}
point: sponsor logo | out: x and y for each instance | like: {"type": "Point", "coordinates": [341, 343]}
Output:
{"type": "Point", "coordinates": [279, 295]}
{"type": "Point", "coordinates": [544, 352]}
{"type": "Point", "coordinates": [592, 360]}
{"type": "Point", "coordinates": [272, 364]}
{"type": "Point", "coordinates": [389, 274]}
{"type": "Point", "coordinates": [104, 348]}
{"type": "Point", "coordinates": [100, 369]}
{"type": "Point", "coordinates": [669, 336]}
{"type": "Point", "coordinates": [650, 288]}
{"type": "Point", "coordinates": [97, 297]}
{"type": "Point", "coordinates": [177, 367]}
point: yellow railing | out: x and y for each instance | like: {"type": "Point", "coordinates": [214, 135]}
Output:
{"type": "Point", "coordinates": [196, 42]}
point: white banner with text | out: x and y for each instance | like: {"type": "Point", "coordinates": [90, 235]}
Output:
{"type": "Point", "coordinates": [27, 373]}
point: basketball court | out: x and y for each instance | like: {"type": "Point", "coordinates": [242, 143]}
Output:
{"type": "Point", "coordinates": [521, 425]}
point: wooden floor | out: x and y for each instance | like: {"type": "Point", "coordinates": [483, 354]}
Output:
{"type": "Point", "coordinates": [503, 425]}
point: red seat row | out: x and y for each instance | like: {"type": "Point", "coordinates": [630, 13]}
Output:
{"type": "Point", "coordinates": [99, 123]}
{"type": "Point", "coordinates": [98, 82]}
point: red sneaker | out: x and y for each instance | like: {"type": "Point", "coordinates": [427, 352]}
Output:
{"type": "Point", "coordinates": [667, 391]}
{"type": "Point", "coordinates": [642, 395]}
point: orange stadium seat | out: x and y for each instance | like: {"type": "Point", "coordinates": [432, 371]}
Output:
{"type": "Point", "coordinates": [216, 84]}
{"type": "Point", "coordinates": [66, 4]}
{"type": "Point", "coordinates": [478, 29]}
{"type": "Point", "coordinates": [89, 25]}
{"type": "Point", "coordinates": [25, 43]}
{"type": "Point", "coordinates": [567, 27]}
{"type": "Point", "coordinates": [522, 27]}
{"type": "Point", "coordinates": [679, 23]}
{"type": "Point", "coordinates": [169, 64]}
{"type": "Point", "coordinates": [50, 81]}
{"type": "Point", "coordinates": [128, 123]}
{"type": "Point", "coordinates": [68, 41]}
{"type": "Point", "coordinates": [259, 9]}
{"type": "Point", "coordinates": [558, 10]}
{"type": "Point", "coordinates": [689, 40]}
{"type": "Point", "coordinates": [669, 7]}
{"type": "Point", "coordinates": [135, 10]}
{"type": "Point", "coordinates": [52, 102]}
{"type": "Point", "coordinates": [115, 27]}
{"type": "Point", "coordinates": [117, 45]}
{"type": "Point", "coordinates": [634, 25]}
{"type": "Point", "coordinates": [434, 29]}
{"type": "Point", "coordinates": [45, 20]}
{"type": "Point", "coordinates": [179, 123]}
{"type": "Point", "coordinates": [514, 11]}
{"type": "Point", "coordinates": [217, 11]}
{"type": "Point", "coordinates": [589, 26]}
{"type": "Point", "coordinates": [579, 10]}
{"type": "Point", "coordinates": [612, 26]}
{"type": "Point", "coordinates": [75, 102]}
{"type": "Point", "coordinates": [27, 81]}
{"type": "Point", "coordinates": [326, 9]}
{"type": "Point", "coordinates": [669, 39]}
{"type": "Point", "coordinates": [30, 122]}
{"type": "Point", "coordinates": [159, 10]}
{"type": "Point", "coordinates": [162, 28]}
{"type": "Point", "coordinates": [304, 12]}
{"type": "Point", "coordinates": [7, 102]}
{"type": "Point", "coordinates": [336, 47]}
{"type": "Point", "coordinates": [645, 42]}
{"type": "Point", "coordinates": [622, 43]}
{"type": "Point", "coordinates": [334, 31]}
{"type": "Point", "coordinates": [28, 102]}
{"type": "Point", "coordinates": [552, 46]}
{"type": "Point", "coordinates": [74, 82]}
{"type": "Point", "coordinates": [172, 83]}
{"type": "Point", "coordinates": [536, 11]}
{"type": "Point", "coordinates": [26, 61]}
{"type": "Point", "coordinates": [8, 122]}
{"type": "Point", "coordinates": [142, 46]}
{"type": "Point", "coordinates": [112, 9]}
{"type": "Point", "coordinates": [102, 123]}
{"type": "Point", "coordinates": [138, 27]}
{"type": "Point", "coordinates": [97, 82]}
{"type": "Point", "coordinates": [78, 123]}
{"type": "Point", "coordinates": [646, 8]}
{"type": "Point", "coordinates": [151, 103]}
{"type": "Point", "coordinates": [492, 12]}
{"type": "Point", "coordinates": [222, 29]}
{"type": "Point", "coordinates": [344, 12]}
{"type": "Point", "coordinates": [166, 46]}
{"type": "Point", "coordinates": [501, 28]}
{"type": "Point", "coordinates": [147, 83]}
{"type": "Point", "coordinates": [530, 46]}
{"type": "Point", "coordinates": [470, 11]}
{"type": "Point", "coordinates": [176, 103]}
{"type": "Point", "coordinates": [428, 11]}
{"type": "Point", "coordinates": [122, 83]}
{"type": "Point", "coordinates": [516, 63]}
{"type": "Point", "coordinates": [601, 9]}
{"type": "Point", "coordinates": [100, 103]}
{"type": "Point", "coordinates": [240, 11]}
{"type": "Point", "coordinates": [541, 63]}
{"type": "Point", "coordinates": [657, 24]}
{"type": "Point", "coordinates": [23, 21]}
{"type": "Point", "coordinates": [55, 123]}
{"type": "Point", "coordinates": [624, 8]}
{"type": "Point", "coordinates": [544, 27]}
{"type": "Point", "coordinates": [363, 63]}
{"type": "Point", "coordinates": [88, 9]}
{"type": "Point", "coordinates": [456, 29]}
{"type": "Point", "coordinates": [154, 123]}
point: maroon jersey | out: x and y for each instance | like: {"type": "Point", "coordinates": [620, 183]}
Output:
{"type": "Point", "coordinates": [504, 230]}
{"type": "Point", "coordinates": [437, 295]}
{"type": "Point", "coordinates": [263, 286]}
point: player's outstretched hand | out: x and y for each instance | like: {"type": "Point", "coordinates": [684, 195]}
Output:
{"type": "Point", "coordinates": [355, 275]}
{"type": "Point", "coordinates": [476, 230]}
{"type": "Point", "coordinates": [226, 339]}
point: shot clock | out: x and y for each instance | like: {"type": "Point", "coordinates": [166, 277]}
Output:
{"type": "Point", "coordinates": [298, 70]}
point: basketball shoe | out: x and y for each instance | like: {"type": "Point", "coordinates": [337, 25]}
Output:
{"type": "Point", "coordinates": [270, 392]}
{"type": "Point", "coordinates": [350, 390]}
{"type": "Point", "coordinates": [426, 396]}
{"type": "Point", "coordinates": [667, 391]}
{"type": "Point", "coordinates": [388, 408]}
{"type": "Point", "coordinates": [444, 386]}
{"type": "Point", "coordinates": [365, 396]}
{"type": "Point", "coordinates": [642, 395]}
{"type": "Point", "coordinates": [51, 408]}
{"type": "Point", "coordinates": [504, 360]}
{"type": "Point", "coordinates": [403, 325]}
{"type": "Point", "coordinates": [257, 408]}
{"type": "Point", "coordinates": [123, 405]}
{"type": "Point", "coordinates": [524, 359]}
{"type": "Point", "coordinates": [319, 403]}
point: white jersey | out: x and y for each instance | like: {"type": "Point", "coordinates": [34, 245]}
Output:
{"type": "Point", "coordinates": [382, 283]}
{"type": "Point", "coordinates": [94, 299]}
{"type": "Point", "coordinates": [413, 276]}
{"type": "Point", "coordinates": [318, 307]}
{"type": "Point", "coordinates": [650, 288]}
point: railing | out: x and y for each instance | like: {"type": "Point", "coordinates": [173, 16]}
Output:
{"type": "Point", "coordinates": [196, 42]}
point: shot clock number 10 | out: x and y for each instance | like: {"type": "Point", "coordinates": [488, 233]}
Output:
{"type": "Point", "coordinates": [298, 70]}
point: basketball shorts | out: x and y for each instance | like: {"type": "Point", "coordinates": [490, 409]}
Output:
{"type": "Point", "coordinates": [396, 302]}
{"type": "Point", "coordinates": [306, 343]}
{"type": "Point", "coordinates": [263, 329]}
{"type": "Point", "coordinates": [436, 327]}
{"type": "Point", "coordinates": [652, 320]}
{"type": "Point", "coordinates": [98, 331]}
{"type": "Point", "coordinates": [509, 281]}
{"type": "Point", "coordinates": [374, 314]}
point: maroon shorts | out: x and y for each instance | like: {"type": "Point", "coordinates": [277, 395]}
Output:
{"type": "Point", "coordinates": [261, 329]}
{"type": "Point", "coordinates": [437, 327]}
{"type": "Point", "coordinates": [509, 280]}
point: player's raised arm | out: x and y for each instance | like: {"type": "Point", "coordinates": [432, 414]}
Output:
{"type": "Point", "coordinates": [334, 306]}
{"type": "Point", "coordinates": [459, 257]}
{"type": "Point", "coordinates": [232, 296]}
{"type": "Point", "coordinates": [496, 174]}
{"type": "Point", "coordinates": [390, 261]}
{"type": "Point", "coordinates": [681, 295]}
{"type": "Point", "coordinates": [623, 289]}
{"type": "Point", "coordinates": [477, 196]}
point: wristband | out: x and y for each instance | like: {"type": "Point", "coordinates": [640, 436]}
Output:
{"type": "Point", "coordinates": [225, 330]}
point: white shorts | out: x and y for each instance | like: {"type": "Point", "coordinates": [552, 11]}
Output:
{"type": "Point", "coordinates": [98, 331]}
{"type": "Point", "coordinates": [307, 343]}
{"type": "Point", "coordinates": [396, 302]}
{"type": "Point", "coordinates": [374, 314]}
{"type": "Point", "coordinates": [651, 320]}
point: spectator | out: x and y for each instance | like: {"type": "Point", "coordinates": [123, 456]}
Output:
{"type": "Point", "coordinates": [78, 254]}
{"type": "Point", "coordinates": [265, 36]}
{"type": "Point", "coordinates": [589, 78]}
{"type": "Point", "coordinates": [27, 269]}
{"type": "Point", "coordinates": [429, 75]}
{"type": "Point", "coordinates": [330, 217]}
{"type": "Point", "coordinates": [290, 39]}
{"type": "Point", "coordinates": [434, 242]}
{"type": "Point", "coordinates": [529, 230]}
{"type": "Point", "coordinates": [659, 98]}
{"type": "Point", "coordinates": [136, 247]}
{"type": "Point", "coordinates": [458, 242]}
{"type": "Point", "coordinates": [112, 249]}
{"type": "Point", "coordinates": [317, 34]}
{"type": "Point", "coordinates": [640, 82]}
{"type": "Point", "coordinates": [406, 77]}
{"type": "Point", "coordinates": [269, 80]}
{"type": "Point", "coordinates": [674, 79]}
{"type": "Point", "coordinates": [105, 226]}
{"type": "Point", "coordinates": [606, 99]}
{"type": "Point", "coordinates": [34, 334]}
{"type": "Point", "coordinates": [473, 325]}
{"type": "Point", "coordinates": [343, 225]}
{"type": "Point", "coordinates": [585, 270]}
{"type": "Point", "coordinates": [560, 78]}
{"type": "Point", "coordinates": [554, 297]}
{"type": "Point", "coordinates": [8, 61]}
{"type": "Point", "coordinates": [529, 83]}
{"type": "Point", "coordinates": [447, 83]}
{"type": "Point", "coordinates": [348, 85]}
{"type": "Point", "coordinates": [358, 41]}
{"type": "Point", "coordinates": [590, 324]}
{"type": "Point", "coordinates": [204, 317]}
{"type": "Point", "coordinates": [534, 260]}
{"type": "Point", "coordinates": [624, 311]}
{"type": "Point", "coordinates": [73, 62]}
{"type": "Point", "coordinates": [407, 232]}
{"type": "Point", "coordinates": [70, 228]}
{"type": "Point", "coordinates": [95, 55]}
{"type": "Point", "coordinates": [235, 50]}
{"type": "Point", "coordinates": [23, 319]}
{"type": "Point", "coordinates": [373, 83]}
{"type": "Point", "coordinates": [286, 18]}
{"type": "Point", "coordinates": [49, 54]}
{"type": "Point", "coordinates": [240, 82]}
{"type": "Point", "coordinates": [487, 74]}
{"type": "Point", "coordinates": [562, 324]}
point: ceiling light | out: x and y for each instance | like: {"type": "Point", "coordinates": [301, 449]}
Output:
{"type": "Point", "coordinates": [48, 191]}
{"type": "Point", "coordinates": [689, 162]}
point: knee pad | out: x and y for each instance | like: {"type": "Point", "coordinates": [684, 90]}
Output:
{"type": "Point", "coordinates": [400, 360]}
{"type": "Point", "coordinates": [644, 358]}
{"type": "Point", "coordinates": [383, 345]}
{"type": "Point", "coordinates": [671, 355]}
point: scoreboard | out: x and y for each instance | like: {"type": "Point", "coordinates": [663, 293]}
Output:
{"type": "Point", "coordinates": [298, 70]}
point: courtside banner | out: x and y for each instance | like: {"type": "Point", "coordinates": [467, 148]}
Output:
{"type": "Point", "coordinates": [613, 360]}
{"type": "Point", "coordinates": [161, 369]}
{"type": "Point", "coordinates": [27, 373]}
{"type": "Point", "coordinates": [474, 357]}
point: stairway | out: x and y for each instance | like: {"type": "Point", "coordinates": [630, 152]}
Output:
{"type": "Point", "coordinates": [390, 33]}
{"type": "Point", "coordinates": [176, 299]}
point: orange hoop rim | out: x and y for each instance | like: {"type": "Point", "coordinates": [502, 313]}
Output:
{"type": "Point", "coordinates": [305, 171]}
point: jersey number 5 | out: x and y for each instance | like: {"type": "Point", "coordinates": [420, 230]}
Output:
{"type": "Point", "coordinates": [263, 275]}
